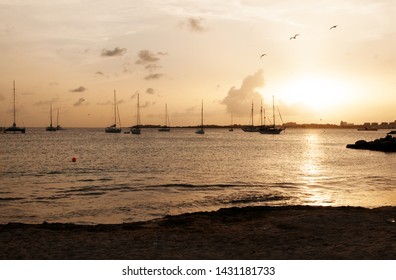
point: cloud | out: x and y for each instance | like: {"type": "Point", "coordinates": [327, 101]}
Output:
{"type": "Point", "coordinates": [46, 102]}
{"type": "Point", "coordinates": [150, 62]}
{"type": "Point", "coordinates": [116, 52]}
{"type": "Point", "coordinates": [79, 102]}
{"type": "Point", "coordinates": [154, 76]}
{"type": "Point", "coordinates": [79, 89]}
{"type": "Point", "coordinates": [150, 91]}
{"type": "Point", "coordinates": [2, 97]}
{"type": "Point", "coordinates": [238, 100]}
{"type": "Point", "coordinates": [194, 25]}
{"type": "Point", "coordinates": [146, 57]}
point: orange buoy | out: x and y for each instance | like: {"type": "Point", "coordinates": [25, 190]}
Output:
{"type": "Point", "coordinates": [74, 159]}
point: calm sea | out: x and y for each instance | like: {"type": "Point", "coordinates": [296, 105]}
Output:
{"type": "Point", "coordinates": [123, 178]}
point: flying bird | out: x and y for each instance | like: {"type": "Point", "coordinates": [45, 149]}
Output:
{"type": "Point", "coordinates": [334, 26]}
{"type": "Point", "coordinates": [294, 37]}
{"type": "Point", "coordinates": [263, 55]}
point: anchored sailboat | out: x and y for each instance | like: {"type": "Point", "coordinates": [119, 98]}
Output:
{"type": "Point", "coordinates": [14, 128]}
{"type": "Point", "coordinates": [58, 127]}
{"type": "Point", "coordinates": [201, 129]}
{"type": "Point", "coordinates": [271, 129]}
{"type": "Point", "coordinates": [166, 127]}
{"type": "Point", "coordinates": [113, 128]}
{"type": "Point", "coordinates": [136, 128]}
{"type": "Point", "coordinates": [250, 128]}
{"type": "Point", "coordinates": [50, 127]}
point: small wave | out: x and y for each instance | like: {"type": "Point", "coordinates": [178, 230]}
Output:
{"type": "Point", "coordinates": [258, 198]}
{"type": "Point", "coordinates": [55, 172]}
{"type": "Point", "coordinates": [11, 198]}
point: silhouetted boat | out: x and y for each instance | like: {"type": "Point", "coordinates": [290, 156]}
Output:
{"type": "Point", "coordinates": [136, 128]}
{"type": "Point", "coordinates": [58, 127]}
{"type": "Point", "coordinates": [113, 128]}
{"type": "Point", "coordinates": [166, 127]}
{"type": "Point", "coordinates": [201, 129]}
{"type": "Point", "coordinates": [14, 128]}
{"type": "Point", "coordinates": [367, 129]}
{"type": "Point", "coordinates": [50, 127]}
{"type": "Point", "coordinates": [251, 128]}
{"type": "Point", "coordinates": [271, 129]}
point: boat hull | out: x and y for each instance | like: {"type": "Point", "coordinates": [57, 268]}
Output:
{"type": "Point", "coordinates": [270, 130]}
{"type": "Point", "coordinates": [15, 129]}
{"type": "Point", "coordinates": [113, 130]}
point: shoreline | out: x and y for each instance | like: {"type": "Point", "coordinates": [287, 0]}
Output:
{"type": "Point", "coordinates": [257, 232]}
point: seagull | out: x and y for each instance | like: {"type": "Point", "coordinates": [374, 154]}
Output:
{"type": "Point", "coordinates": [334, 26]}
{"type": "Point", "coordinates": [263, 55]}
{"type": "Point", "coordinates": [294, 37]}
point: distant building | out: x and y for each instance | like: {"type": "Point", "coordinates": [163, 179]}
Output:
{"type": "Point", "coordinates": [342, 123]}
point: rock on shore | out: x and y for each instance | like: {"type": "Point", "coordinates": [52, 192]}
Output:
{"type": "Point", "coordinates": [386, 144]}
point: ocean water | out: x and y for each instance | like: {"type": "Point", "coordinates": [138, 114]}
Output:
{"type": "Point", "coordinates": [124, 178]}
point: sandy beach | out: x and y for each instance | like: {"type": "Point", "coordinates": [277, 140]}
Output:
{"type": "Point", "coordinates": [292, 232]}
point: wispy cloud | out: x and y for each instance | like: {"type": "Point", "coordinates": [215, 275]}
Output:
{"type": "Point", "coordinates": [116, 52]}
{"type": "Point", "coordinates": [238, 100]}
{"type": "Point", "coordinates": [150, 62]}
{"type": "Point", "coordinates": [154, 76]}
{"type": "Point", "coordinates": [194, 24]}
{"type": "Point", "coordinates": [45, 102]}
{"type": "Point", "coordinates": [79, 89]}
{"type": "Point", "coordinates": [79, 102]}
{"type": "Point", "coordinates": [150, 91]}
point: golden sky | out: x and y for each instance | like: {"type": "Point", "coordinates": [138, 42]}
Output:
{"type": "Point", "coordinates": [75, 53]}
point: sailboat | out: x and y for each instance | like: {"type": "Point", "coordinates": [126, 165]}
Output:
{"type": "Point", "coordinates": [113, 128]}
{"type": "Point", "coordinates": [166, 127]}
{"type": "Point", "coordinates": [50, 127]}
{"type": "Point", "coordinates": [271, 129]}
{"type": "Point", "coordinates": [201, 129]}
{"type": "Point", "coordinates": [136, 128]}
{"type": "Point", "coordinates": [250, 128]}
{"type": "Point", "coordinates": [58, 127]}
{"type": "Point", "coordinates": [14, 128]}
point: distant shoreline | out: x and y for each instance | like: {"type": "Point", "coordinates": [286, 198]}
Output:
{"type": "Point", "coordinates": [262, 232]}
{"type": "Point", "coordinates": [287, 126]}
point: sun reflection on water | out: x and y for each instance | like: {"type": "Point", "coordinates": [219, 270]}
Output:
{"type": "Point", "coordinates": [312, 172]}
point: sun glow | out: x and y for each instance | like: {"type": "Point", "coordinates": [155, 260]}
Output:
{"type": "Point", "coordinates": [316, 92]}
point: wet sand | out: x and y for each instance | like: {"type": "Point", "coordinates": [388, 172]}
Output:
{"type": "Point", "coordinates": [292, 232]}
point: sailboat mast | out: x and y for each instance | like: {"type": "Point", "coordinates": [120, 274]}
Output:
{"type": "Point", "coordinates": [202, 114]}
{"type": "Point", "coordinates": [51, 115]}
{"type": "Point", "coordinates": [138, 113]}
{"type": "Point", "coordinates": [252, 112]}
{"type": "Point", "coordinates": [57, 118]}
{"type": "Point", "coordinates": [273, 110]}
{"type": "Point", "coordinates": [14, 124]}
{"type": "Point", "coordinates": [115, 109]}
{"type": "Point", "coordinates": [166, 115]}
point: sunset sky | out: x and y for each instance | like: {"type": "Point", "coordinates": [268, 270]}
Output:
{"type": "Point", "coordinates": [75, 53]}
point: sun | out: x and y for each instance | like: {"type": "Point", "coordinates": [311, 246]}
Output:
{"type": "Point", "coordinates": [316, 92]}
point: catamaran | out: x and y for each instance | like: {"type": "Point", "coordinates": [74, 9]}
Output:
{"type": "Point", "coordinates": [113, 128]}
{"type": "Point", "coordinates": [14, 128]}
